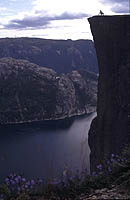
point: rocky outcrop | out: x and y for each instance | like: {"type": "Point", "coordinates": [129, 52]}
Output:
{"type": "Point", "coordinates": [60, 55]}
{"type": "Point", "coordinates": [29, 92]}
{"type": "Point", "coordinates": [111, 129]}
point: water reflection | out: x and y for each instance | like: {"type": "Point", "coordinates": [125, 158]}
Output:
{"type": "Point", "coordinates": [44, 150]}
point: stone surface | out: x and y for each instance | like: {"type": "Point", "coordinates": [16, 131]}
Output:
{"type": "Point", "coordinates": [60, 55]}
{"type": "Point", "coordinates": [104, 193]}
{"type": "Point", "coordinates": [29, 92]}
{"type": "Point", "coordinates": [110, 130]}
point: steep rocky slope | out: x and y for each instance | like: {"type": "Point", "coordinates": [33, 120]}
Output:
{"type": "Point", "coordinates": [29, 92]}
{"type": "Point", "coordinates": [111, 129]}
{"type": "Point", "coordinates": [60, 55]}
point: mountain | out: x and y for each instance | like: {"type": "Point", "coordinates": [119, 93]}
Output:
{"type": "Point", "coordinates": [29, 92]}
{"type": "Point", "coordinates": [110, 131]}
{"type": "Point", "coordinates": [60, 55]}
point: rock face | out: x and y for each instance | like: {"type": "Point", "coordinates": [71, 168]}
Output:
{"type": "Point", "coordinates": [29, 92]}
{"type": "Point", "coordinates": [60, 55]}
{"type": "Point", "coordinates": [111, 129]}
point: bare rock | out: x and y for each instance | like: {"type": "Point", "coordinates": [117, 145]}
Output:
{"type": "Point", "coordinates": [111, 129]}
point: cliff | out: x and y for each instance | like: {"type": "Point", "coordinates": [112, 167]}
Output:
{"type": "Point", "coordinates": [111, 129]}
{"type": "Point", "coordinates": [29, 92]}
{"type": "Point", "coordinates": [60, 55]}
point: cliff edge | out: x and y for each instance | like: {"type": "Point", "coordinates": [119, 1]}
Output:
{"type": "Point", "coordinates": [111, 129]}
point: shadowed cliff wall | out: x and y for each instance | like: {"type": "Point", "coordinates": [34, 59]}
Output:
{"type": "Point", "coordinates": [110, 130]}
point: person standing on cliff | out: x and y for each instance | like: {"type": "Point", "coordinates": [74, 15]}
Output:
{"type": "Point", "coordinates": [101, 13]}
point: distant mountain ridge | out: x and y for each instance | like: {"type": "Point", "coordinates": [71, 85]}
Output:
{"type": "Point", "coordinates": [60, 55]}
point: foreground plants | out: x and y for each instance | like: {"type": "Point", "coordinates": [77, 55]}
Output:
{"type": "Point", "coordinates": [16, 186]}
{"type": "Point", "coordinates": [115, 171]}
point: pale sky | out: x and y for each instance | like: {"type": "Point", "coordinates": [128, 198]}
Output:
{"type": "Point", "coordinates": [54, 19]}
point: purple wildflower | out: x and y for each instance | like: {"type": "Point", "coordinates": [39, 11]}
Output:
{"type": "Point", "coordinates": [77, 171]}
{"type": "Point", "coordinates": [94, 174]}
{"type": "Point", "coordinates": [32, 182]}
{"type": "Point", "coordinates": [31, 187]}
{"type": "Point", "coordinates": [6, 179]}
{"type": "Point", "coordinates": [40, 181]}
{"type": "Point", "coordinates": [12, 182]}
{"type": "Point", "coordinates": [108, 162]}
{"type": "Point", "coordinates": [23, 179]}
{"type": "Point", "coordinates": [19, 189]}
{"type": "Point", "coordinates": [112, 160]}
{"type": "Point", "coordinates": [99, 166]}
{"type": "Point", "coordinates": [17, 180]}
{"type": "Point", "coordinates": [28, 183]}
{"type": "Point", "coordinates": [54, 182]}
{"type": "Point", "coordinates": [11, 175]}
{"type": "Point", "coordinates": [71, 178]}
{"type": "Point", "coordinates": [109, 169]}
{"type": "Point", "coordinates": [19, 177]}
{"type": "Point", "coordinates": [8, 183]}
{"type": "Point", "coordinates": [26, 186]}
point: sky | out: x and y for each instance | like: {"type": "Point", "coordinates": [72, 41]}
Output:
{"type": "Point", "coordinates": [54, 19]}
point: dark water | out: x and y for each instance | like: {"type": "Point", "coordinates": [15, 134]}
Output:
{"type": "Point", "coordinates": [41, 151]}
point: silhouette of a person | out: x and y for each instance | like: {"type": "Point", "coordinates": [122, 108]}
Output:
{"type": "Point", "coordinates": [101, 13]}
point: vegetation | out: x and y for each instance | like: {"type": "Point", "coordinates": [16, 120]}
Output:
{"type": "Point", "coordinates": [113, 173]}
{"type": "Point", "coordinates": [33, 93]}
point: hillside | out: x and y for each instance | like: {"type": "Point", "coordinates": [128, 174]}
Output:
{"type": "Point", "coordinates": [32, 93]}
{"type": "Point", "coordinates": [60, 55]}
